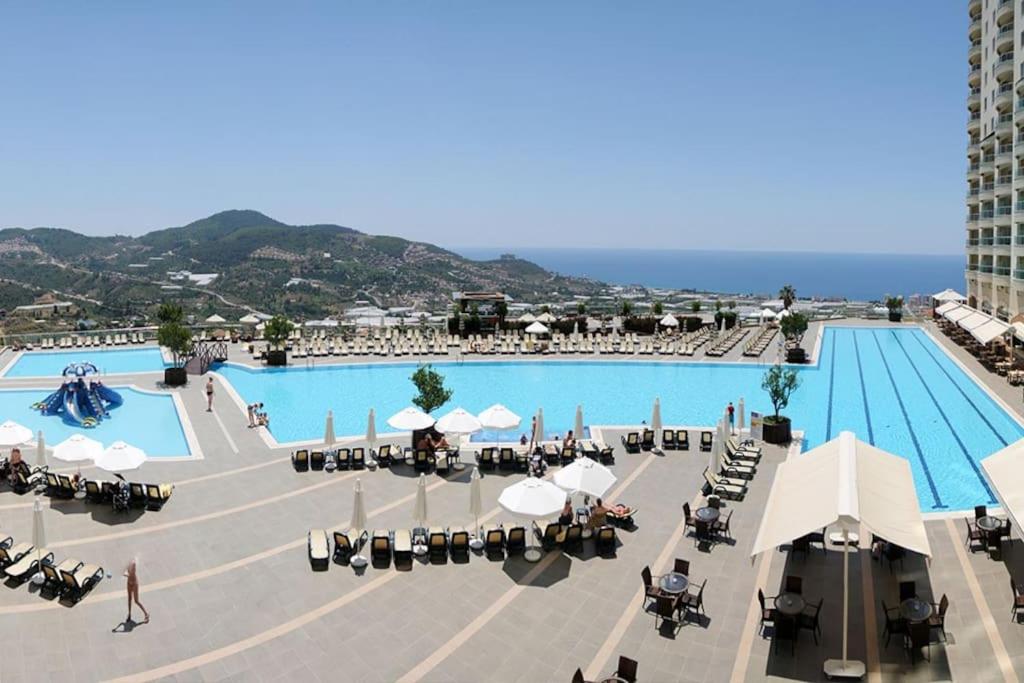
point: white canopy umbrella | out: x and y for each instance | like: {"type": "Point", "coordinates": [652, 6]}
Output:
{"type": "Point", "coordinates": [409, 419]}
{"type": "Point", "coordinates": [847, 482]}
{"type": "Point", "coordinates": [358, 523]}
{"type": "Point", "coordinates": [537, 328]}
{"type": "Point", "coordinates": [958, 313]}
{"type": "Point", "coordinates": [215, 319]}
{"type": "Point", "coordinates": [578, 431]}
{"type": "Point", "coordinates": [13, 434]}
{"type": "Point", "coordinates": [767, 314]}
{"type": "Point", "coordinates": [329, 429]}
{"type": "Point", "coordinates": [585, 476]}
{"type": "Point", "coordinates": [371, 429]}
{"type": "Point", "coordinates": [949, 295]}
{"type": "Point", "coordinates": [546, 318]}
{"type": "Point", "coordinates": [76, 448]}
{"type": "Point", "coordinates": [531, 499]}
{"type": "Point", "coordinates": [656, 420]}
{"type": "Point", "coordinates": [249, 319]}
{"type": "Point", "coordinates": [947, 307]}
{"type": "Point", "coordinates": [459, 421]}
{"type": "Point", "coordinates": [38, 540]}
{"type": "Point", "coordinates": [476, 506]}
{"type": "Point", "coordinates": [527, 318]}
{"type": "Point", "coordinates": [119, 457]}
{"type": "Point", "coordinates": [40, 450]}
{"type": "Point", "coordinates": [499, 417]}
{"type": "Point", "coordinates": [668, 321]}
{"type": "Point", "coordinates": [1002, 469]}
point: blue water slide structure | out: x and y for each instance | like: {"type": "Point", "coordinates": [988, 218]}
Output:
{"type": "Point", "coordinates": [81, 403]}
{"type": "Point", "coordinates": [112, 398]}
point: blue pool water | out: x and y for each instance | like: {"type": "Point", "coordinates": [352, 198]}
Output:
{"type": "Point", "coordinates": [149, 421]}
{"type": "Point", "coordinates": [109, 361]}
{"type": "Point", "coordinates": [893, 387]}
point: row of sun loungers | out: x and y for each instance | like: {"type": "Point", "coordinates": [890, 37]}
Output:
{"type": "Point", "coordinates": [140, 495]}
{"type": "Point", "coordinates": [671, 440]}
{"type": "Point", "coordinates": [71, 578]}
{"type": "Point", "coordinates": [85, 341]}
{"type": "Point", "coordinates": [761, 341]}
{"type": "Point", "coordinates": [725, 343]}
{"type": "Point", "coordinates": [737, 467]}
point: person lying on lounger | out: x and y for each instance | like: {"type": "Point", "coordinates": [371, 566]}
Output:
{"type": "Point", "coordinates": [620, 510]}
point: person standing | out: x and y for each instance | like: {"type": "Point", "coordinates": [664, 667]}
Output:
{"type": "Point", "coordinates": [731, 410]}
{"type": "Point", "coordinates": [209, 394]}
{"type": "Point", "coordinates": [251, 410]}
{"type": "Point", "coordinates": [131, 574]}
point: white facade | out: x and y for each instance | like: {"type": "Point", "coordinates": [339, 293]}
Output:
{"type": "Point", "coordinates": [995, 154]}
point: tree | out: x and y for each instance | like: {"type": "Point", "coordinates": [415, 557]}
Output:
{"type": "Point", "coordinates": [581, 308]}
{"type": "Point", "coordinates": [657, 308]}
{"type": "Point", "coordinates": [170, 313]}
{"type": "Point", "coordinates": [695, 305]}
{"type": "Point", "coordinates": [625, 308]}
{"type": "Point", "coordinates": [780, 383]}
{"type": "Point", "coordinates": [176, 338]}
{"type": "Point", "coordinates": [276, 331]}
{"type": "Point", "coordinates": [432, 392]}
{"type": "Point", "coordinates": [788, 295]}
{"type": "Point", "coordinates": [501, 310]}
{"type": "Point", "coordinates": [793, 325]}
{"type": "Point", "coordinates": [730, 305]}
{"type": "Point", "coordinates": [718, 305]}
{"type": "Point", "coordinates": [894, 303]}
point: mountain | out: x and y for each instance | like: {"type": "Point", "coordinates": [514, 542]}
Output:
{"type": "Point", "coordinates": [261, 264]}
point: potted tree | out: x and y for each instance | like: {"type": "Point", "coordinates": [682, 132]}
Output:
{"type": "Point", "coordinates": [174, 336]}
{"type": "Point", "coordinates": [895, 306]}
{"type": "Point", "coordinates": [431, 394]}
{"type": "Point", "coordinates": [793, 327]}
{"type": "Point", "coordinates": [780, 383]}
{"type": "Point", "coordinates": [276, 332]}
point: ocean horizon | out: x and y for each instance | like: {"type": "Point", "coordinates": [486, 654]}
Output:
{"type": "Point", "coordinates": [860, 277]}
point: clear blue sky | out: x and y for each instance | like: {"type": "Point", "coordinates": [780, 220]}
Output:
{"type": "Point", "coordinates": [788, 125]}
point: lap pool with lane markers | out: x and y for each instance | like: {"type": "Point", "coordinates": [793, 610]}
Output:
{"type": "Point", "coordinates": [893, 387]}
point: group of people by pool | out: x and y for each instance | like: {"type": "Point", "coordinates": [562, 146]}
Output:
{"type": "Point", "coordinates": [432, 442]}
{"type": "Point", "coordinates": [257, 415]}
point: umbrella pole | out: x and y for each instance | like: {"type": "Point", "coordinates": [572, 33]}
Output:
{"type": "Point", "coordinates": [845, 668]}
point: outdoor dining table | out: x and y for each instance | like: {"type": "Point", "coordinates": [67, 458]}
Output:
{"type": "Point", "coordinates": [915, 610]}
{"type": "Point", "coordinates": [707, 514]}
{"type": "Point", "coordinates": [790, 604]}
{"type": "Point", "coordinates": [674, 583]}
{"type": "Point", "coordinates": [989, 524]}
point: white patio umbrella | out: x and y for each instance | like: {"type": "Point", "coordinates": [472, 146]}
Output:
{"type": "Point", "coordinates": [476, 506]}
{"type": "Point", "coordinates": [578, 431]}
{"type": "Point", "coordinates": [537, 328]}
{"type": "Point", "coordinates": [371, 429]}
{"type": "Point", "coordinates": [249, 319]}
{"type": "Point", "coordinates": [742, 417]}
{"type": "Point", "coordinates": [499, 418]}
{"type": "Point", "coordinates": [119, 457]}
{"type": "Point", "coordinates": [38, 540]}
{"type": "Point", "coordinates": [40, 450]}
{"type": "Point", "coordinates": [76, 448]}
{"type": "Point", "coordinates": [850, 483]}
{"type": "Point", "coordinates": [585, 476]}
{"type": "Point", "coordinates": [656, 420]}
{"type": "Point", "coordinates": [669, 321]}
{"type": "Point", "coordinates": [546, 318]}
{"type": "Point", "coordinates": [531, 499]}
{"type": "Point", "coordinates": [767, 314]}
{"type": "Point", "coordinates": [13, 434]}
{"type": "Point", "coordinates": [527, 318]}
{"type": "Point", "coordinates": [419, 510]}
{"type": "Point", "coordinates": [215, 319]}
{"type": "Point", "coordinates": [358, 523]}
{"type": "Point", "coordinates": [459, 421]}
{"type": "Point", "coordinates": [409, 419]}
{"type": "Point", "coordinates": [329, 429]}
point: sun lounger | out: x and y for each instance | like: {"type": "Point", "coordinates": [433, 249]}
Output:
{"type": "Point", "coordinates": [316, 460]}
{"type": "Point", "coordinates": [11, 554]}
{"type": "Point", "coordinates": [157, 495]}
{"type": "Point", "coordinates": [358, 461]}
{"type": "Point", "coordinates": [494, 542]}
{"type": "Point", "coordinates": [631, 442]}
{"type": "Point", "coordinates": [81, 581]}
{"type": "Point", "coordinates": [572, 541]}
{"type": "Point", "coordinates": [28, 564]}
{"type": "Point", "coordinates": [623, 520]}
{"type": "Point", "coordinates": [423, 460]}
{"type": "Point", "coordinates": [458, 544]}
{"type": "Point", "coordinates": [551, 536]}
{"type": "Point", "coordinates": [647, 441]}
{"type": "Point", "coordinates": [506, 459]}
{"type": "Point", "coordinates": [682, 440]}
{"type": "Point", "coordinates": [344, 547]}
{"type": "Point", "coordinates": [300, 460]}
{"type": "Point", "coordinates": [515, 542]}
{"type": "Point", "coordinates": [605, 541]}
{"type": "Point", "coordinates": [606, 455]}
{"type": "Point", "coordinates": [383, 455]}
{"type": "Point", "coordinates": [706, 441]}
{"type": "Point", "coordinates": [726, 489]}
{"type": "Point", "coordinates": [744, 445]}
{"type": "Point", "coordinates": [742, 456]}
{"type": "Point", "coordinates": [52, 575]}
{"type": "Point", "coordinates": [380, 547]}
{"type": "Point", "coordinates": [403, 546]}
{"type": "Point", "coordinates": [437, 544]}
{"type": "Point", "coordinates": [485, 458]}
{"type": "Point", "coordinates": [319, 550]}
{"type": "Point", "coordinates": [668, 439]}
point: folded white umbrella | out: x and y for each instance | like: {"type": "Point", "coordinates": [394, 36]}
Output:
{"type": "Point", "coordinates": [371, 429]}
{"type": "Point", "coordinates": [656, 420]}
{"type": "Point", "coordinates": [76, 448]}
{"type": "Point", "coordinates": [585, 476]}
{"type": "Point", "coordinates": [499, 417]}
{"type": "Point", "coordinates": [40, 450]}
{"type": "Point", "coordinates": [476, 505]}
{"type": "Point", "coordinates": [409, 419]}
{"type": "Point", "coordinates": [358, 523]}
{"type": "Point", "coordinates": [419, 511]}
{"type": "Point", "coordinates": [38, 538]}
{"type": "Point", "coordinates": [329, 429]}
{"type": "Point", "coordinates": [741, 418]}
{"type": "Point", "coordinates": [13, 434]}
{"type": "Point", "coordinates": [532, 498]}
{"type": "Point", "coordinates": [459, 421]}
{"type": "Point", "coordinates": [119, 457]}
{"type": "Point", "coordinates": [579, 422]}
{"type": "Point", "coordinates": [538, 434]}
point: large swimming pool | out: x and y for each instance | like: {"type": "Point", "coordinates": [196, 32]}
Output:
{"type": "Point", "coordinates": [894, 387]}
{"type": "Point", "coordinates": [148, 421]}
{"type": "Point", "coordinates": [108, 361]}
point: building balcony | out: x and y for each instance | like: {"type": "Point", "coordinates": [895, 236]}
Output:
{"type": "Point", "coordinates": [972, 267]}
{"type": "Point", "coordinates": [1002, 272]}
{"type": "Point", "coordinates": [972, 220]}
{"type": "Point", "coordinates": [974, 52]}
{"type": "Point", "coordinates": [1004, 210]}
{"type": "Point", "coordinates": [1019, 240]}
{"type": "Point", "coordinates": [1004, 123]}
{"type": "Point", "coordinates": [1004, 11]}
{"type": "Point", "coordinates": [974, 27]}
{"type": "Point", "coordinates": [1004, 96]}
{"type": "Point", "coordinates": [973, 125]}
{"type": "Point", "coordinates": [1018, 274]}
{"type": "Point", "coordinates": [985, 268]}
{"type": "Point", "coordinates": [973, 149]}
{"type": "Point", "coordinates": [1004, 37]}
{"type": "Point", "coordinates": [972, 194]}
{"type": "Point", "coordinates": [986, 241]}
{"type": "Point", "coordinates": [974, 75]}
{"type": "Point", "coordinates": [1004, 67]}
{"type": "Point", "coordinates": [1004, 187]}
{"type": "Point", "coordinates": [1003, 240]}
{"type": "Point", "coordinates": [972, 242]}
{"type": "Point", "coordinates": [973, 7]}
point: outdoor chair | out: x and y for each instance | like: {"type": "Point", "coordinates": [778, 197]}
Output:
{"type": "Point", "coordinates": [157, 495]}
{"type": "Point", "coordinates": [666, 608]}
{"type": "Point", "coordinates": [383, 455]}
{"type": "Point", "coordinates": [316, 460]}
{"type": "Point", "coordinates": [894, 625]}
{"type": "Point", "coordinates": [702, 532]}
{"type": "Point", "coordinates": [550, 537]}
{"type": "Point", "coordinates": [458, 544]}
{"type": "Point", "coordinates": [938, 617]}
{"type": "Point", "coordinates": [785, 630]}
{"type": "Point", "coordinates": [12, 554]}
{"type": "Point", "coordinates": [919, 638]}
{"type": "Point", "coordinates": [485, 459]}
{"type": "Point", "coordinates": [380, 547]}
{"type": "Point", "coordinates": [688, 517]}
{"type": "Point", "coordinates": [694, 603]}
{"type": "Point", "coordinates": [573, 540]}
{"type": "Point", "coordinates": [706, 440]}
{"type": "Point", "coordinates": [908, 590]}
{"type": "Point", "coordinates": [668, 439]}
{"type": "Point", "coordinates": [794, 584]}
{"type": "Point", "coordinates": [720, 526]}
{"type": "Point", "coordinates": [810, 619]}
{"type": "Point", "coordinates": [52, 581]}
{"type": "Point", "coordinates": [606, 455]}
{"type": "Point", "coordinates": [626, 670]}
{"type": "Point", "coordinates": [402, 547]}
{"type": "Point", "coordinates": [631, 442]}
{"type": "Point", "coordinates": [568, 455]}
{"type": "Point", "coordinates": [1004, 531]}
{"type": "Point", "coordinates": [1018, 599]}
{"type": "Point", "coordinates": [358, 458]}
{"type": "Point", "coordinates": [300, 460]}
{"type": "Point", "coordinates": [506, 459]}
{"type": "Point", "coordinates": [28, 564]}
{"type": "Point", "coordinates": [137, 497]}
{"type": "Point", "coordinates": [681, 566]}
{"type": "Point", "coordinates": [715, 502]}
{"type": "Point", "coordinates": [343, 547]}
{"type": "Point", "coordinates": [515, 541]}
{"type": "Point", "coordinates": [647, 440]}
{"type": "Point", "coordinates": [423, 460]}
{"type": "Point", "coordinates": [682, 440]}
{"type": "Point", "coordinates": [437, 544]}
{"type": "Point", "coordinates": [651, 591]}
{"type": "Point", "coordinates": [81, 581]}
{"type": "Point", "coordinates": [494, 542]}
{"type": "Point", "coordinates": [768, 614]}
{"type": "Point", "coordinates": [93, 492]}
{"type": "Point", "coordinates": [980, 511]}
{"type": "Point", "coordinates": [605, 542]}
{"type": "Point", "coordinates": [974, 534]}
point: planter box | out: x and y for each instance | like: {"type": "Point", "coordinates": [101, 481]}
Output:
{"type": "Point", "coordinates": [277, 358]}
{"type": "Point", "coordinates": [175, 377]}
{"type": "Point", "coordinates": [895, 316]}
{"type": "Point", "coordinates": [796, 355]}
{"type": "Point", "coordinates": [777, 432]}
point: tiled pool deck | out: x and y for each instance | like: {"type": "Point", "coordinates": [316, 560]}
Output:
{"type": "Point", "coordinates": [225, 575]}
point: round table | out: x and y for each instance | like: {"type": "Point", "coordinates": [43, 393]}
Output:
{"type": "Point", "coordinates": [707, 514]}
{"type": "Point", "coordinates": [790, 604]}
{"type": "Point", "coordinates": [988, 523]}
{"type": "Point", "coordinates": [614, 679]}
{"type": "Point", "coordinates": [915, 610]}
{"type": "Point", "coordinates": [79, 495]}
{"type": "Point", "coordinates": [674, 583]}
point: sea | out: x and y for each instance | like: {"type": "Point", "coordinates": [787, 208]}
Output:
{"type": "Point", "coordinates": [855, 277]}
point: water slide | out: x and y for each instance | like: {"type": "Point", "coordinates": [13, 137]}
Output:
{"type": "Point", "coordinates": [81, 403]}
{"type": "Point", "coordinates": [51, 404]}
{"type": "Point", "coordinates": [107, 394]}
{"type": "Point", "coordinates": [71, 405]}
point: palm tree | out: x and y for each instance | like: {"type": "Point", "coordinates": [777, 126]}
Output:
{"type": "Point", "coordinates": [788, 295]}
